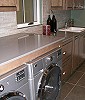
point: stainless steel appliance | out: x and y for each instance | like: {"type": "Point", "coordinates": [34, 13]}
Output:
{"type": "Point", "coordinates": [14, 85]}
{"type": "Point", "coordinates": [44, 74]}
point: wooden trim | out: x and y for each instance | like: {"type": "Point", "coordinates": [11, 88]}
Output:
{"type": "Point", "coordinates": [3, 9]}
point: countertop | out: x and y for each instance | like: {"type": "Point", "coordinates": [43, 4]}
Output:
{"type": "Point", "coordinates": [16, 46]}
{"type": "Point", "coordinates": [18, 49]}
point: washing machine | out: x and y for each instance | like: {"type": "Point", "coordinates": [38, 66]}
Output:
{"type": "Point", "coordinates": [14, 85]}
{"type": "Point", "coordinates": [44, 76]}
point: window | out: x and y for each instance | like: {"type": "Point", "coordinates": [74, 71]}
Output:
{"type": "Point", "coordinates": [29, 12]}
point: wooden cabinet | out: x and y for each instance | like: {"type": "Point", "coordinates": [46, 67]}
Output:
{"type": "Point", "coordinates": [78, 51]}
{"type": "Point", "coordinates": [66, 59]}
{"type": "Point", "coordinates": [62, 4]}
{"type": "Point", "coordinates": [67, 4]}
{"type": "Point", "coordinates": [78, 4]}
{"type": "Point", "coordinates": [84, 46]}
{"type": "Point", "coordinates": [9, 5]}
{"type": "Point", "coordinates": [75, 58]}
{"type": "Point", "coordinates": [66, 69]}
{"type": "Point", "coordinates": [56, 3]}
{"type": "Point", "coordinates": [7, 2]}
{"type": "Point", "coordinates": [81, 48]}
{"type": "Point", "coordinates": [73, 51]}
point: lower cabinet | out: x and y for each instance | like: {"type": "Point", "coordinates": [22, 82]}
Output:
{"type": "Point", "coordinates": [73, 51]}
{"type": "Point", "coordinates": [75, 59]}
{"type": "Point", "coordinates": [84, 46]}
{"type": "Point", "coordinates": [66, 59]}
{"type": "Point", "coordinates": [66, 69]}
{"type": "Point", "coordinates": [78, 51]}
{"type": "Point", "coordinates": [81, 49]}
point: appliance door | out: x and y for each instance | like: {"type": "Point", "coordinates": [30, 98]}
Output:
{"type": "Point", "coordinates": [50, 83]}
{"type": "Point", "coordinates": [13, 96]}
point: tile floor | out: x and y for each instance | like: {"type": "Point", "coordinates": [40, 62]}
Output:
{"type": "Point", "coordinates": [74, 88]}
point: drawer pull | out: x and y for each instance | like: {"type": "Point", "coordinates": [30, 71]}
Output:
{"type": "Point", "coordinates": [64, 73]}
{"type": "Point", "coordinates": [59, 46]}
{"type": "Point", "coordinates": [64, 53]}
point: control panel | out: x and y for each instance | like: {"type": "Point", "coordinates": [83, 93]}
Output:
{"type": "Point", "coordinates": [20, 75]}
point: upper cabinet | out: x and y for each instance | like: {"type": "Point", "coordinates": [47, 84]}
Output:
{"type": "Point", "coordinates": [7, 2]}
{"type": "Point", "coordinates": [78, 4]}
{"type": "Point", "coordinates": [67, 4]}
{"type": "Point", "coordinates": [55, 3]}
{"type": "Point", "coordinates": [9, 5]}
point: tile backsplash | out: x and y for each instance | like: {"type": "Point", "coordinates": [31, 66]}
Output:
{"type": "Point", "coordinates": [8, 23]}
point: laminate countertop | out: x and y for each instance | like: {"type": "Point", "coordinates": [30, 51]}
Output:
{"type": "Point", "coordinates": [17, 49]}
{"type": "Point", "coordinates": [20, 48]}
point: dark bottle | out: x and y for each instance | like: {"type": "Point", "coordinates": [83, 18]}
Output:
{"type": "Point", "coordinates": [54, 24]}
{"type": "Point", "coordinates": [49, 21]}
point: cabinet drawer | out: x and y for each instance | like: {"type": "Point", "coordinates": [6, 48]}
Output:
{"type": "Point", "coordinates": [7, 2]}
{"type": "Point", "coordinates": [67, 50]}
{"type": "Point", "coordinates": [66, 69]}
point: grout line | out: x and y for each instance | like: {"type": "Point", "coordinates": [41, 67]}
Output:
{"type": "Point", "coordinates": [80, 71]}
{"type": "Point", "coordinates": [81, 86]}
{"type": "Point", "coordinates": [74, 86]}
{"type": "Point", "coordinates": [70, 83]}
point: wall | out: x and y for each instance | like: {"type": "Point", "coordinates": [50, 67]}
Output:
{"type": "Point", "coordinates": [61, 15]}
{"type": "Point", "coordinates": [79, 17]}
{"type": "Point", "coordinates": [8, 24]}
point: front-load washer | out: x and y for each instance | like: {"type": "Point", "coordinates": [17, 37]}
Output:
{"type": "Point", "coordinates": [14, 85]}
{"type": "Point", "coordinates": [44, 76]}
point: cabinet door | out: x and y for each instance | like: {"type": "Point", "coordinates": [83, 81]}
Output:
{"type": "Point", "coordinates": [7, 2]}
{"type": "Point", "coordinates": [56, 3]}
{"type": "Point", "coordinates": [66, 69]}
{"type": "Point", "coordinates": [67, 50]}
{"type": "Point", "coordinates": [81, 42]}
{"type": "Point", "coordinates": [84, 46]}
{"type": "Point", "coordinates": [76, 53]}
{"type": "Point", "coordinates": [78, 4]}
{"type": "Point", "coordinates": [69, 4]}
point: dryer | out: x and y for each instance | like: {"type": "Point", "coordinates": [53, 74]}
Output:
{"type": "Point", "coordinates": [14, 84]}
{"type": "Point", "coordinates": [44, 76]}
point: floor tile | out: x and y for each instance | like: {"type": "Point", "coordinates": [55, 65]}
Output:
{"type": "Point", "coordinates": [78, 93]}
{"type": "Point", "coordinates": [75, 77]}
{"type": "Point", "coordinates": [81, 68]}
{"type": "Point", "coordinates": [82, 81]}
{"type": "Point", "coordinates": [65, 89]}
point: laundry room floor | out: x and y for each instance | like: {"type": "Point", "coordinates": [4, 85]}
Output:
{"type": "Point", "coordinates": [74, 88]}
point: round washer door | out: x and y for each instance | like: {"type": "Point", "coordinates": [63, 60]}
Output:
{"type": "Point", "coordinates": [13, 96]}
{"type": "Point", "coordinates": [50, 84]}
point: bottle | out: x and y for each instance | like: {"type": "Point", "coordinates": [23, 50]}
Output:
{"type": "Point", "coordinates": [49, 21]}
{"type": "Point", "coordinates": [54, 24]}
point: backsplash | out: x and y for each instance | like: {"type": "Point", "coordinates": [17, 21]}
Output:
{"type": "Point", "coordinates": [8, 23]}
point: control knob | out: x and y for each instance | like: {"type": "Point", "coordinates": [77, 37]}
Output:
{"type": "Point", "coordinates": [1, 88]}
{"type": "Point", "coordinates": [49, 58]}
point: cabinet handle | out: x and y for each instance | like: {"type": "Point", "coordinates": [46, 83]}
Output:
{"type": "Point", "coordinates": [59, 46]}
{"type": "Point", "coordinates": [64, 73]}
{"type": "Point", "coordinates": [76, 37]}
{"type": "Point", "coordinates": [64, 53]}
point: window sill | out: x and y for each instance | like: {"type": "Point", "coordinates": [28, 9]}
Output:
{"type": "Point", "coordinates": [25, 25]}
